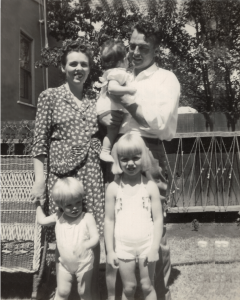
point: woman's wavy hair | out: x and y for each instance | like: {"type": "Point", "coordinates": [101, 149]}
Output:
{"type": "Point", "coordinates": [83, 47]}
{"type": "Point", "coordinates": [130, 144]}
{"type": "Point", "coordinates": [112, 52]}
{"type": "Point", "coordinates": [76, 46]}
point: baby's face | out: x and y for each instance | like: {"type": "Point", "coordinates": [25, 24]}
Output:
{"type": "Point", "coordinates": [73, 208]}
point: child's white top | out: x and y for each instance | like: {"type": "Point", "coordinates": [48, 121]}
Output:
{"type": "Point", "coordinates": [70, 237]}
{"type": "Point", "coordinates": [133, 215]}
{"type": "Point", "coordinates": [104, 102]}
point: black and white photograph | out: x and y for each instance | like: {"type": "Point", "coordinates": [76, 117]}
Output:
{"type": "Point", "coordinates": [120, 150]}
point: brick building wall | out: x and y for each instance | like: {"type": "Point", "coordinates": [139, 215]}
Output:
{"type": "Point", "coordinates": [21, 16]}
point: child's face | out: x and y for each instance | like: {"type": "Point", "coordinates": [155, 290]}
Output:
{"type": "Point", "coordinates": [131, 164]}
{"type": "Point", "coordinates": [73, 208]}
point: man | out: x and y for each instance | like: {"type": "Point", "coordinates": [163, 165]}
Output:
{"type": "Point", "coordinates": [154, 115]}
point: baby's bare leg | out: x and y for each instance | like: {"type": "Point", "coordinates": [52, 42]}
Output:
{"type": "Point", "coordinates": [108, 141]}
{"type": "Point", "coordinates": [84, 285]}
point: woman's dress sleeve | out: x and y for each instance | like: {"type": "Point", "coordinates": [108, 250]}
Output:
{"type": "Point", "coordinates": [43, 124]}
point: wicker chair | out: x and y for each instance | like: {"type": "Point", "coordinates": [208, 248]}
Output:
{"type": "Point", "coordinates": [23, 243]}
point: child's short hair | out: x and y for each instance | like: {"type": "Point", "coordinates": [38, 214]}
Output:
{"type": "Point", "coordinates": [112, 52]}
{"type": "Point", "coordinates": [130, 144]}
{"type": "Point", "coordinates": [66, 189]}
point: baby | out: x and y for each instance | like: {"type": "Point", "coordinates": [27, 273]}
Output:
{"type": "Point", "coordinates": [76, 234]}
{"type": "Point", "coordinates": [114, 82]}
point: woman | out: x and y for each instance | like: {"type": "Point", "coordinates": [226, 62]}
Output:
{"type": "Point", "coordinates": [66, 132]}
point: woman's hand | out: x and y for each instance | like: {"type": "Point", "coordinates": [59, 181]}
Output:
{"type": "Point", "coordinates": [113, 260]}
{"type": "Point", "coordinates": [111, 118]}
{"type": "Point", "coordinates": [38, 192]}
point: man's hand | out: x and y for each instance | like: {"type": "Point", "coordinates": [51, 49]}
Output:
{"type": "Point", "coordinates": [111, 118]}
{"type": "Point", "coordinates": [112, 260]}
{"type": "Point", "coordinates": [128, 102]}
{"type": "Point", "coordinates": [125, 100]}
{"type": "Point", "coordinates": [132, 90]}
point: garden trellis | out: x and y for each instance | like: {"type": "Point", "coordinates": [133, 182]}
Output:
{"type": "Point", "coordinates": [203, 167]}
{"type": "Point", "coordinates": [204, 172]}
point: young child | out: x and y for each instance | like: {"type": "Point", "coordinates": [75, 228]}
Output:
{"type": "Point", "coordinates": [114, 80]}
{"type": "Point", "coordinates": [76, 234]}
{"type": "Point", "coordinates": [133, 216]}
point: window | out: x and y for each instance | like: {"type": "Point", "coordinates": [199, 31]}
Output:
{"type": "Point", "coordinates": [25, 69]}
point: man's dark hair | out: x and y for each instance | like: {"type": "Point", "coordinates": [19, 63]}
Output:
{"type": "Point", "coordinates": [147, 29]}
{"type": "Point", "coordinates": [112, 52]}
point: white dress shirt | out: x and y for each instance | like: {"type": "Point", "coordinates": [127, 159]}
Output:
{"type": "Point", "coordinates": [158, 93]}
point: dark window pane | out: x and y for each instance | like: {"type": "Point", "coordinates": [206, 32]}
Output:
{"type": "Point", "coordinates": [25, 53]}
{"type": "Point", "coordinates": [25, 70]}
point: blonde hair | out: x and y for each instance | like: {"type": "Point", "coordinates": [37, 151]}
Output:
{"type": "Point", "coordinates": [130, 144]}
{"type": "Point", "coordinates": [66, 189]}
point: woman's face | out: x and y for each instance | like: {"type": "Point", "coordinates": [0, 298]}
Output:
{"type": "Point", "coordinates": [77, 68]}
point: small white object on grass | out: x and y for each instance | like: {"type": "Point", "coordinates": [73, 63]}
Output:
{"type": "Point", "coordinates": [223, 244]}
{"type": "Point", "coordinates": [202, 244]}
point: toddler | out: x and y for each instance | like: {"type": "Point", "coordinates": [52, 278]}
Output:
{"type": "Point", "coordinates": [76, 235]}
{"type": "Point", "coordinates": [114, 82]}
{"type": "Point", "coordinates": [133, 216]}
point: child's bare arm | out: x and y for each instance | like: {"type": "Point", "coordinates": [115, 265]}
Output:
{"type": "Point", "coordinates": [157, 220]}
{"type": "Point", "coordinates": [93, 232]}
{"type": "Point", "coordinates": [116, 89]}
{"type": "Point", "coordinates": [42, 219]}
{"type": "Point", "coordinates": [109, 224]}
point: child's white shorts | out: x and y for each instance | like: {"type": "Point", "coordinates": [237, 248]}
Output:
{"type": "Point", "coordinates": [132, 250]}
{"type": "Point", "coordinates": [80, 267]}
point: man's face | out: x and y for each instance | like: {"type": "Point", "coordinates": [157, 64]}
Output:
{"type": "Point", "coordinates": [141, 51]}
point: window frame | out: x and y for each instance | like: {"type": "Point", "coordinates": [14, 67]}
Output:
{"type": "Point", "coordinates": [32, 102]}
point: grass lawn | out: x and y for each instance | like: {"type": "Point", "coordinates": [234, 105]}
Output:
{"type": "Point", "coordinates": [205, 265]}
{"type": "Point", "coordinates": [210, 272]}
{"type": "Point", "coordinates": [206, 281]}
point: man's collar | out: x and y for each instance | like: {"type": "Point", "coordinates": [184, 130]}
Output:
{"type": "Point", "coordinates": [149, 71]}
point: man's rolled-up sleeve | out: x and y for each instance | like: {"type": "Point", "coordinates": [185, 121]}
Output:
{"type": "Point", "coordinates": [161, 115]}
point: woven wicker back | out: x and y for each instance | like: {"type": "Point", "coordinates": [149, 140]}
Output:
{"type": "Point", "coordinates": [20, 234]}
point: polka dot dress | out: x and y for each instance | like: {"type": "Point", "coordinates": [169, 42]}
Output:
{"type": "Point", "coordinates": [68, 136]}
